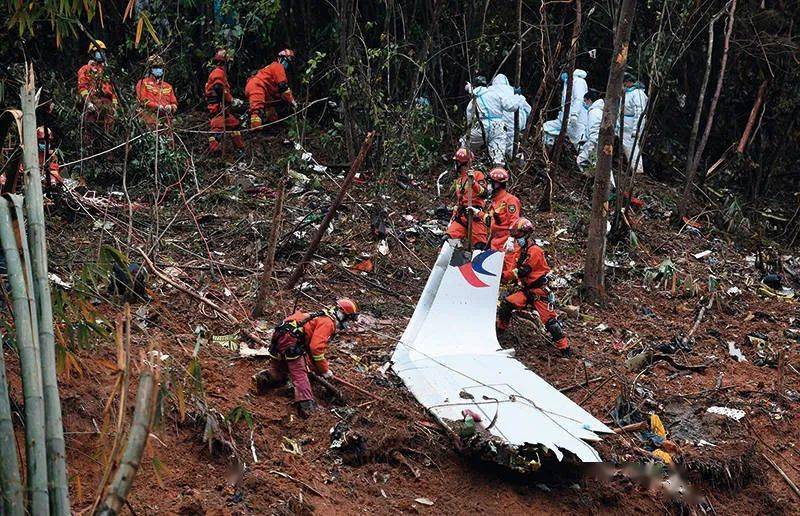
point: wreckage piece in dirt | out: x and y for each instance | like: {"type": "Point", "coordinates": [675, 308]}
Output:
{"type": "Point", "coordinates": [450, 360]}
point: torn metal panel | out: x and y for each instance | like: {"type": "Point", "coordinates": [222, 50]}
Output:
{"type": "Point", "coordinates": [449, 358]}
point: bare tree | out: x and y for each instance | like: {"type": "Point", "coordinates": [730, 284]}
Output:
{"type": "Point", "coordinates": [594, 268]}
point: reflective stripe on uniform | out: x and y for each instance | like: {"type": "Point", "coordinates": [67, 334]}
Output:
{"type": "Point", "coordinates": [318, 358]}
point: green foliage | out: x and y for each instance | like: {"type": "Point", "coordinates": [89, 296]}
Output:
{"type": "Point", "coordinates": [240, 413]}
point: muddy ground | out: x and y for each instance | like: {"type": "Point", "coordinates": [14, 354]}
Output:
{"type": "Point", "coordinates": [400, 461]}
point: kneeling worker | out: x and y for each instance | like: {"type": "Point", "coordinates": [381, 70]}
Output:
{"type": "Point", "coordinates": [531, 273]}
{"type": "Point", "coordinates": [299, 344]}
{"type": "Point", "coordinates": [470, 189]}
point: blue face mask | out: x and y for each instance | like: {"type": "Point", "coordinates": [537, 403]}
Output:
{"type": "Point", "coordinates": [521, 241]}
{"type": "Point", "coordinates": [564, 77]}
{"type": "Point", "coordinates": [42, 147]}
{"type": "Point", "coordinates": [100, 57]}
{"type": "Point", "coordinates": [157, 72]}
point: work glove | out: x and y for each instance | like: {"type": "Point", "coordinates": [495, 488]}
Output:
{"type": "Point", "coordinates": [468, 87]}
{"type": "Point", "coordinates": [294, 105]}
{"type": "Point", "coordinates": [237, 103]}
{"type": "Point", "coordinates": [509, 245]}
{"type": "Point", "coordinates": [328, 374]}
{"type": "Point", "coordinates": [90, 106]}
{"type": "Point", "coordinates": [473, 210]}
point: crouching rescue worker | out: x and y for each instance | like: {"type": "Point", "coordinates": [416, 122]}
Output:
{"type": "Point", "coordinates": [47, 163]}
{"type": "Point", "coordinates": [220, 101]}
{"type": "Point", "coordinates": [156, 96]}
{"type": "Point", "coordinates": [268, 93]}
{"type": "Point", "coordinates": [504, 210]}
{"type": "Point", "coordinates": [299, 344]}
{"type": "Point", "coordinates": [530, 273]}
{"type": "Point", "coordinates": [470, 188]}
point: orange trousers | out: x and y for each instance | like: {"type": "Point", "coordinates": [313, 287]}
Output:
{"type": "Point", "coordinates": [221, 124]}
{"type": "Point", "coordinates": [458, 229]}
{"type": "Point", "coordinates": [538, 298]}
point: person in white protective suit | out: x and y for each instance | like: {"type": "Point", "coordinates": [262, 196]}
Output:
{"type": "Point", "coordinates": [635, 107]}
{"type": "Point", "coordinates": [593, 103]}
{"type": "Point", "coordinates": [576, 127]}
{"type": "Point", "coordinates": [501, 82]}
{"type": "Point", "coordinates": [486, 116]}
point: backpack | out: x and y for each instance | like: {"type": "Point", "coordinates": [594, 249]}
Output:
{"type": "Point", "coordinates": [289, 340]}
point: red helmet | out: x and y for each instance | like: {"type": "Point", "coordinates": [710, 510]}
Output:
{"type": "Point", "coordinates": [286, 52]}
{"type": "Point", "coordinates": [522, 227]}
{"type": "Point", "coordinates": [222, 56]}
{"type": "Point", "coordinates": [463, 156]}
{"type": "Point", "coordinates": [499, 174]}
{"type": "Point", "coordinates": [347, 306]}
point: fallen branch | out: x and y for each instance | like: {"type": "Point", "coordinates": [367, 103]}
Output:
{"type": "Point", "coordinates": [296, 481]}
{"type": "Point", "coordinates": [784, 475]}
{"type": "Point", "coordinates": [357, 388]}
{"type": "Point", "coordinates": [588, 396]}
{"type": "Point", "coordinates": [584, 383]}
{"type": "Point", "coordinates": [336, 393]}
{"type": "Point", "coordinates": [312, 247]}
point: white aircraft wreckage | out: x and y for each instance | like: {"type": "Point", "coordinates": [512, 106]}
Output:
{"type": "Point", "coordinates": [451, 361]}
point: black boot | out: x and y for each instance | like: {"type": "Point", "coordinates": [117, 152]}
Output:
{"type": "Point", "coordinates": [306, 408]}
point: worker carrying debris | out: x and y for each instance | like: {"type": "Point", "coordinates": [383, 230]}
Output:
{"type": "Point", "coordinates": [299, 343]}
{"type": "Point", "coordinates": [470, 189]}
{"type": "Point", "coordinates": [96, 91]}
{"type": "Point", "coordinates": [530, 273]}
{"type": "Point", "coordinates": [268, 93]}
{"type": "Point", "coordinates": [503, 212]}
{"type": "Point", "coordinates": [220, 104]}
{"type": "Point", "coordinates": [156, 96]}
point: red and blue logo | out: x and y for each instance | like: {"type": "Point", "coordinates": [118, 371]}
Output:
{"type": "Point", "coordinates": [470, 269]}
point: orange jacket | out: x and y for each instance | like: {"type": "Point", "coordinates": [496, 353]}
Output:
{"type": "Point", "coordinates": [218, 77]}
{"type": "Point", "coordinates": [533, 267]}
{"type": "Point", "coordinates": [478, 189]}
{"type": "Point", "coordinates": [269, 85]}
{"type": "Point", "coordinates": [154, 94]}
{"type": "Point", "coordinates": [319, 331]}
{"type": "Point", "coordinates": [93, 82]}
{"type": "Point", "coordinates": [504, 211]}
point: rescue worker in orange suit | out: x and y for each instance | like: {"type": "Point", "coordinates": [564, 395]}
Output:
{"type": "Point", "coordinates": [293, 357]}
{"type": "Point", "coordinates": [96, 90]}
{"type": "Point", "coordinates": [268, 93]}
{"type": "Point", "coordinates": [220, 101]}
{"type": "Point", "coordinates": [156, 96]}
{"type": "Point", "coordinates": [530, 273]}
{"type": "Point", "coordinates": [47, 163]}
{"type": "Point", "coordinates": [503, 212]}
{"type": "Point", "coordinates": [476, 196]}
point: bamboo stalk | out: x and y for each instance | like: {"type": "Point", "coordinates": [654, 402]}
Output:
{"type": "Point", "coordinates": [10, 483]}
{"type": "Point", "coordinates": [137, 438]}
{"type": "Point", "coordinates": [265, 286]}
{"type": "Point", "coordinates": [30, 369]}
{"type": "Point", "coordinates": [34, 204]}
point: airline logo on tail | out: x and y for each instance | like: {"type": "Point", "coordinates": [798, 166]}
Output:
{"type": "Point", "coordinates": [470, 270]}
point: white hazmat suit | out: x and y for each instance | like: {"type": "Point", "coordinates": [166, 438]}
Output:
{"type": "Point", "coordinates": [635, 107]}
{"type": "Point", "coordinates": [576, 126]}
{"type": "Point", "coordinates": [588, 154]}
{"type": "Point", "coordinates": [501, 82]}
{"type": "Point", "coordinates": [491, 106]}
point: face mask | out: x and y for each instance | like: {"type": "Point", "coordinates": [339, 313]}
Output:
{"type": "Point", "coordinates": [286, 63]}
{"type": "Point", "coordinates": [157, 72]}
{"type": "Point", "coordinates": [490, 188]}
{"type": "Point", "coordinates": [100, 57]}
{"type": "Point", "coordinates": [564, 77]}
{"type": "Point", "coordinates": [521, 241]}
{"type": "Point", "coordinates": [42, 147]}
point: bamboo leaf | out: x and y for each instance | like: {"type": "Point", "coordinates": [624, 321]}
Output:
{"type": "Point", "coordinates": [138, 37]}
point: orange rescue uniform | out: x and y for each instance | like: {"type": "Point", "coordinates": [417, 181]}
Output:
{"type": "Point", "coordinates": [154, 96]}
{"type": "Point", "coordinates": [267, 91]}
{"type": "Point", "coordinates": [458, 223]}
{"type": "Point", "coordinates": [504, 211]}
{"type": "Point", "coordinates": [219, 99]}
{"type": "Point", "coordinates": [95, 86]}
{"type": "Point", "coordinates": [531, 272]}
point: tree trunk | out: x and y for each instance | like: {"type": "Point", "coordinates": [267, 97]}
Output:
{"type": "Point", "coordinates": [346, 20]}
{"type": "Point", "coordinates": [137, 438]}
{"type": "Point", "coordinates": [751, 120]}
{"type": "Point", "coordinates": [56, 454]}
{"type": "Point", "coordinates": [10, 484]}
{"type": "Point", "coordinates": [690, 173]}
{"type": "Point", "coordinates": [30, 366]}
{"type": "Point", "coordinates": [568, 108]}
{"type": "Point", "coordinates": [518, 79]}
{"type": "Point", "coordinates": [594, 268]}
{"type": "Point", "coordinates": [265, 288]}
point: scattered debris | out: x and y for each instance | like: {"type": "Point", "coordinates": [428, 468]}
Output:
{"type": "Point", "coordinates": [732, 413]}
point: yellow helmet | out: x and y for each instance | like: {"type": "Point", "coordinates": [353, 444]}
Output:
{"type": "Point", "coordinates": [96, 45]}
